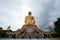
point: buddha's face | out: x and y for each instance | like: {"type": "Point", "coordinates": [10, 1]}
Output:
{"type": "Point", "coordinates": [30, 13]}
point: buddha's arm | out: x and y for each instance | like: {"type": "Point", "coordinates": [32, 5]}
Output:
{"type": "Point", "coordinates": [25, 19]}
{"type": "Point", "coordinates": [33, 20]}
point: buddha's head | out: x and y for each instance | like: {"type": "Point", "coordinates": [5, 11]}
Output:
{"type": "Point", "coordinates": [29, 13]}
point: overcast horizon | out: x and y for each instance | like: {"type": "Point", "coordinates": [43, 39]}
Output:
{"type": "Point", "coordinates": [13, 12]}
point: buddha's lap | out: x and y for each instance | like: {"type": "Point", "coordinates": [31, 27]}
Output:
{"type": "Point", "coordinates": [30, 24]}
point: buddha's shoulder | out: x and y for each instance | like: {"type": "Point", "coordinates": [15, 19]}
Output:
{"type": "Point", "coordinates": [29, 16]}
{"type": "Point", "coordinates": [26, 16]}
{"type": "Point", "coordinates": [32, 16]}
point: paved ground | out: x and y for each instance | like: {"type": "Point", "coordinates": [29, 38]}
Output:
{"type": "Point", "coordinates": [31, 39]}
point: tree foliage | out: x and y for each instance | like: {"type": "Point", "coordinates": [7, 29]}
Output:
{"type": "Point", "coordinates": [57, 25]}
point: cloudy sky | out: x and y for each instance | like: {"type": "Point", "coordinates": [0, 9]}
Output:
{"type": "Point", "coordinates": [13, 12]}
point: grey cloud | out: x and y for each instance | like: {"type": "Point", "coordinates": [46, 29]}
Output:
{"type": "Point", "coordinates": [45, 11]}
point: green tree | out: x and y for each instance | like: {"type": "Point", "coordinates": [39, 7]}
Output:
{"type": "Point", "coordinates": [57, 25]}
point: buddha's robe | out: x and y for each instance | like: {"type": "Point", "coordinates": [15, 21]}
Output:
{"type": "Point", "coordinates": [29, 20]}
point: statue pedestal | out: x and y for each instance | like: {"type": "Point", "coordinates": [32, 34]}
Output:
{"type": "Point", "coordinates": [30, 31]}
{"type": "Point", "coordinates": [34, 27]}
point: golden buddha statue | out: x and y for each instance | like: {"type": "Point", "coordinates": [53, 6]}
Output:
{"type": "Point", "coordinates": [29, 20]}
